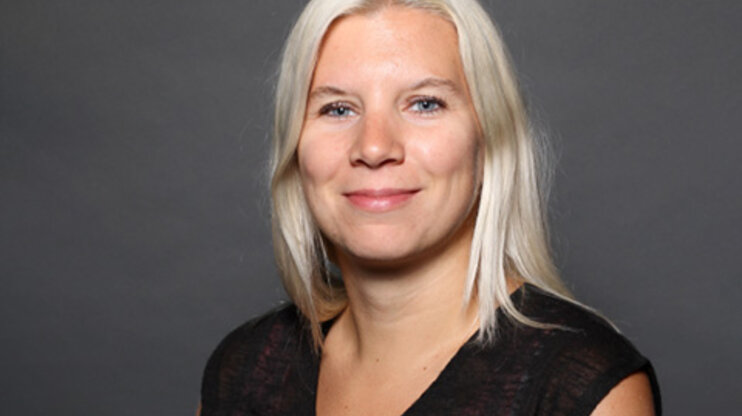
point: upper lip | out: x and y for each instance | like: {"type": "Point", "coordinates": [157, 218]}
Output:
{"type": "Point", "coordinates": [381, 192]}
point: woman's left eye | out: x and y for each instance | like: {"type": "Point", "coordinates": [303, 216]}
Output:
{"type": "Point", "coordinates": [427, 105]}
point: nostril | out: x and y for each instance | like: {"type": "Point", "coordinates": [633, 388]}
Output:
{"type": "Point", "coordinates": [377, 145]}
{"type": "Point", "coordinates": [375, 164]}
{"type": "Point", "coordinates": [377, 157]}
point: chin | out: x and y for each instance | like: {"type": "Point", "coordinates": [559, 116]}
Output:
{"type": "Point", "coordinates": [380, 253]}
{"type": "Point", "coordinates": [383, 252]}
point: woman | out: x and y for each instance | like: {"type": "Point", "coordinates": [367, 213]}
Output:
{"type": "Point", "coordinates": [409, 233]}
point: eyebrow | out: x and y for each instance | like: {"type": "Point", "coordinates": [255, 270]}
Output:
{"type": "Point", "coordinates": [436, 82]}
{"type": "Point", "coordinates": [326, 90]}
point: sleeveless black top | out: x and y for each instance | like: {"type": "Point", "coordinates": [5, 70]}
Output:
{"type": "Point", "coordinates": [266, 367]}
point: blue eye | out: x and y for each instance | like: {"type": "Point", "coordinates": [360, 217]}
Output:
{"type": "Point", "coordinates": [338, 110]}
{"type": "Point", "coordinates": [427, 105]}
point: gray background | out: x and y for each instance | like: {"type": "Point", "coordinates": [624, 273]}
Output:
{"type": "Point", "coordinates": [133, 222]}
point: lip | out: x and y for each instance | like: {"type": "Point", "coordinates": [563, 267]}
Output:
{"type": "Point", "coordinates": [380, 200]}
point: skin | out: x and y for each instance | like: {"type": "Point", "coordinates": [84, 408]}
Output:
{"type": "Point", "coordinates": [632, 396]}
{"type": "Point", "coordinates": [389, 109]}
{"type": "Point", "coordinates": [385, 113]}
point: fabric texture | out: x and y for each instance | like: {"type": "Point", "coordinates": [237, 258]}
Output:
{"type": "Point", "coordinates": [267, 367]}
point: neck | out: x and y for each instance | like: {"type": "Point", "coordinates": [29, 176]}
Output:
{"type": "Point", "coordinates": [415, 310]}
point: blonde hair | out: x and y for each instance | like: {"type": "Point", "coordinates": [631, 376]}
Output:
{"type": "Point", "coordinates": [510, 235]}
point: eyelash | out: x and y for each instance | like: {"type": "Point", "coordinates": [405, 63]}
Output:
{"type": "Point", "coordinates": [439, 104]}
{"type": "Point", "coordinates": [329, 108]}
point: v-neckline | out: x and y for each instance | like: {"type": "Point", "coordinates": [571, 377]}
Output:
{"type": "Point", "coordinates": [446, 373]}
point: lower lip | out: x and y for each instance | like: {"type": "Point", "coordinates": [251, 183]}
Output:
{"type": "Point", "coordinates": [380, 203]}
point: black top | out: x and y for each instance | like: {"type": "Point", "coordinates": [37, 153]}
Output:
{"type": "Point", "coordinates": [267, 367]}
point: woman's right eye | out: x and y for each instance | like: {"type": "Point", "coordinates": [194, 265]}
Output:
{"type": "Point", "coordinates": [337, 110]}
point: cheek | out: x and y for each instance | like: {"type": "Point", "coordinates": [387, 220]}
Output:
{"type": "Point", "coordinates": [451, 152]}
{"type": "Point", "coordinates": [318, 160]}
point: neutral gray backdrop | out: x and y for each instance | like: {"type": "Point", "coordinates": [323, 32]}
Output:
{"type": "Point", "coordinates": [133, 221]}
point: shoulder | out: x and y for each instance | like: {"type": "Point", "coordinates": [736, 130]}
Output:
{"type": "Point", "coordinates": [283, 319]}
{"type": "Point", "coordinates": [574, 326]}
{"type": "Point", "coordinates": [546, 307]}
{"type": "Point", "coordinates": [583, 359]}
{"type": "Point", "coordinates": [262, 341]}
{"type": "Point", "coordinates": [632, 396]}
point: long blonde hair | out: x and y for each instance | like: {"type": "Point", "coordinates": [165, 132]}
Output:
{"type": "Point", "coordinates": [510, 235]}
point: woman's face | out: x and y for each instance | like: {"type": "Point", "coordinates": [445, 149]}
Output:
{"type": "Point", "coordinates": [389, 151]}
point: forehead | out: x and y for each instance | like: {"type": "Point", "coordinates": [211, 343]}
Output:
{"type": "Point", "coordinates": [395, 41]}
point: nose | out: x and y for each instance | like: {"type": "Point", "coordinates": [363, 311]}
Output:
{"type": "Point", "coordinates": [378, 142]}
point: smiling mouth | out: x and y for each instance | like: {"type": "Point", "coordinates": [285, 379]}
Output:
{"type": "Point", "coordinates": [380, 200]}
